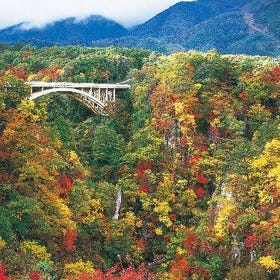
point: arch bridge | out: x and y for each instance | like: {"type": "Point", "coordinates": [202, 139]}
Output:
{"type": "Point", "coordinates": [94, 96]}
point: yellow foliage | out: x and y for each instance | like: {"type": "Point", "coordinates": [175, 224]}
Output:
{"type": "Point", "coordinates": [130, 219]}
{"type": "Point", "coordinates": [26, 104]}
{"type": "Point", "coordinates": [260, 162]}
{"type": "Point", "coordinates": [73, 156]}
{"type": "Point", "coordinates": [62, 217]}
{"type": "Point", "coordinates": [216, 122]}
{"type": "Point", "coordinates": [264, 197]}
{"type": "Point", "coordinates": [187, 122]}
{"type": "Point", "coordinates": [167, 181]}
{"type": "Point", "coordinates": [165, 220]}
{"type": "Point", "coordinates": [269, 263]}
{"type": "Point", "coordinates": [267, 170]}
{"type": "Point", "coordinates": [146, 204]}
{"type": "Point", "coordinates": [2, 243]}
{"type": "Point", "coordinates": [28, 107]}
{"type": "Point", "coordinates": [188, 197]}
{"type": "Point", "coordinates": [275, 172]}
{"type": "Point", "coordinates": [161, 207]}
{"type": "Point", "coordinates": [158, 231]}
{"type": "Point", "coordinates": [179, 108]}
{"type": "Point", "coordinates": [31, 77]}
{"type": "Point", "coordinates": [180, 251]}
{"type": "Point", "coordinates": [270, 156]}
{"type": "Point", "coordinates": [226, 208]}
{"type": "Point", "coordinates": [127, 223]}
{"type": "Point", "coordinates": [259, 110]}
{"type": "Point", "coordinates": [74, 269]}
{"type": "Point", "coordinates": [33, 249]}
{"type": "Point", "coordinates": [89, 211]}
{"type": "Point", "coordinates": [61, 72]}
{"type": "Point", "coordinates": [164, 265]}
{"type": "Point", "coordinates": [46, 79]}
{"type": "Point", "coordinates": [139, 223]}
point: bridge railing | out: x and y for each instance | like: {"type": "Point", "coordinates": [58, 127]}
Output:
{"type": "Point", "coordinates": [39, 84]}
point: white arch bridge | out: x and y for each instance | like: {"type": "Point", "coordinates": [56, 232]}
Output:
{"type": "Point", "coordinates": [94, 96]}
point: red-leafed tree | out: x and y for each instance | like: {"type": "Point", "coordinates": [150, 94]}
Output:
{"type": "Point", "coordinates": [70, 237]}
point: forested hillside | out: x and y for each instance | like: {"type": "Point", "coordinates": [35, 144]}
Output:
{"type": "Point", "coordinates": [243, 26]}
{"type": "Point", "coordinates": [231, 26]}
{"type": "Point", "coordinates": [192, 150]}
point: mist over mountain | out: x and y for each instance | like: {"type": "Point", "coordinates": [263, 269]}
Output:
{"type": "Point", "coordinates": [234, 26]}
{"type": "Point", "coordinates": [65, 32]}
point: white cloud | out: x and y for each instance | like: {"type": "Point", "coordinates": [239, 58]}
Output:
{"type": "Point", "coordinates": [40, 12]}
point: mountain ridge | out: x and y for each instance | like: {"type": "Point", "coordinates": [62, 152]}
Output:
{"type": "Point", "coordinates": [236, 26]}
{"type": "Point", "coordinates": [67, 31]}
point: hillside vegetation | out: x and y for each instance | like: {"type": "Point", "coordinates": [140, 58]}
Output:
{"type": "Point", "coordinates": [232, 26]}
{"type": "Point", "coordinates": [204, 25]}
{"type": "Point", "coordinates": [193, 150]}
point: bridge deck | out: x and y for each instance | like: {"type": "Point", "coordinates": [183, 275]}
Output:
{"type": "Point", "coordinates": [35, 84]}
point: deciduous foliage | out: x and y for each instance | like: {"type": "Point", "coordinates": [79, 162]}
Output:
{"type": "Point", "coordinates": [181, 181]}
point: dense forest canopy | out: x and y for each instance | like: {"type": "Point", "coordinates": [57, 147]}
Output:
{"type": "Point", "coordinates": [180, 181]}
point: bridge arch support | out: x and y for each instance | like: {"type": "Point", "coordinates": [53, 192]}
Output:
{"type": "Point", "coordinates": [95, 105]}
{"type": "Point", "coordinates": [94, 96]}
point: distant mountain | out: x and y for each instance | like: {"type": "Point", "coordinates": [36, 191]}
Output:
{"type": "Point", "coordinates": [176, 20]}
{"type": "Point", "coordinates": [67, 31]}
{"type": "Point", "coordinates": [248, 28]}
{"type": "Point", "coordinates": [223, 6]}
{"type": "Point", "coordinates": [230, 26]}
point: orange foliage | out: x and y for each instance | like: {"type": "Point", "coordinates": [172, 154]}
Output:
{"type": "Point", "coordinates": [201, 179]}
{"type": "Point", "coordinates": [180, 268]}
{"type": "Point", "coordinates": [142, 167]}
{"type": "Point", "coordinates": [242, 95]}
{"type": "Point", "coordinates": [190, 244]}
{"type": "Point", "coordinates": [69, 239]}
{"type": "Point", "coordinates": [141, 244]}
{"type": "Point", "coordinates": [66, 182]}
{"type": "Point", "coordinates": [193, 159]}
{"type": "Point", "coordinates": [251, 240]}
{"type": "Point", "coordinates": [20, 73]}
{"type": "Point", "coordinates": [119, 273]}
{"type": "Point", "coordinates": [143, 188]}
{"type": "Point", "coordinates": [50, 74]}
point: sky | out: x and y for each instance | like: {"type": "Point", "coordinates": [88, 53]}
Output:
{"type": "Point", "coordinates": [40, 12]}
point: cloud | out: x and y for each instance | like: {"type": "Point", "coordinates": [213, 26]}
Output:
{"type": "Point", "coordinates": [40, 12]}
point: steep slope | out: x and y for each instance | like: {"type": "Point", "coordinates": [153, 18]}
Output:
{"type": "Point", "coordinates": [175, 20]}
{"type": "Point", "coordinates": [233, 26]}
{"type": "Point", "coordinates": [255, 44]}
{"type": "Point", "coordinates": [222, 6]}
{"type": "Point", "coordinates": [268, 16]}
{"type": "Point", "coordinates": [67, 31]}
{"type": "Point", "coordinates": [217, 33]}
{"type": "Point", "coordinates": [232, 32]}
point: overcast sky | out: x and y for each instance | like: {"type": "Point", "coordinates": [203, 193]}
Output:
{"type": "Point", "coordinates": [39, 12]}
